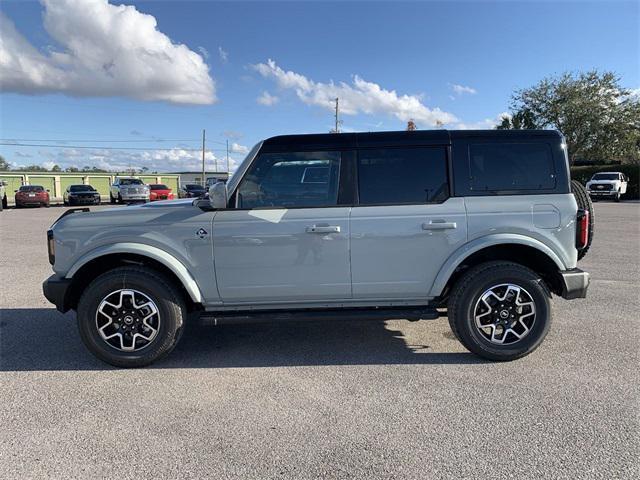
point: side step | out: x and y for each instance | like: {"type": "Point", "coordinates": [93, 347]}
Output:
{"type": "Point", "coordinates": [412, 314]}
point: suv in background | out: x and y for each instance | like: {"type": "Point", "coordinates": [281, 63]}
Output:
{"type": "Point", "coordinates": [608, 184]}
{"type": "Point", "coordinates": [128, 189]}
{"type": "Point", "coordinates": [191, 190]}
{"type": "Point", "coordinates": [482, 225]}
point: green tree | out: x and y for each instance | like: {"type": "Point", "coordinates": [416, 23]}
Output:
{"type": "Point", "coordinates": [4, 165]}
{"type": "Point", "coordinates": [71, 169]}
{"type": "Point", "coordinates": [598, 117]}
{"type": "Point", "coordinates": [56, 168]}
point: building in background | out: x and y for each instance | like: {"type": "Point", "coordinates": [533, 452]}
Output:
{"type": "Point", "coordinates": [196, 177]}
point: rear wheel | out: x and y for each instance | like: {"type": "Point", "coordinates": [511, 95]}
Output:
{"type": "Point", "coordinates": [119, 198]}
{"type": "Point", "coordinates": [500, 310]}
{"type": "Point", "coordinates": [131, 316]}
{"type": "Point", "coordinates": [584, 203]}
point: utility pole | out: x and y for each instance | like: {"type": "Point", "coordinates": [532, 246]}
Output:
{"type": "Point", "coordinates": [227, 157]}
{"type": "Point", "coordinates": [337, 129]}
{"type": "Point", "coordinates": [203, 173]}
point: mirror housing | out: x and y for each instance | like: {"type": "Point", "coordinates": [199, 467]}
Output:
{"type": "Point", "coordinates": [218, 195]}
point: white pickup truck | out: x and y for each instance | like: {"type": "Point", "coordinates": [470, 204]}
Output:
{"type": "Point", "coordinates": [607, 185]}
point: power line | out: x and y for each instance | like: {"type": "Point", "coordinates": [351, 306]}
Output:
{"type": "Point", "coordinates": [101, 147]}
{"type": "Point", "coordinates": [107, 141]}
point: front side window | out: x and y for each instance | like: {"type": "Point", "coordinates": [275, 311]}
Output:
{"type": "Point", "coordinates": [295, 179]}
{"type": "Point", "coordinates": [397, 176]}
{"type": "Point", "coordinates": [511, 166]}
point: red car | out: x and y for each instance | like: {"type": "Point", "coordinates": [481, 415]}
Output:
{"type": "Point", "coordinates": [34, 195]}
{"type": "Point", "coordinates": [160, 192]}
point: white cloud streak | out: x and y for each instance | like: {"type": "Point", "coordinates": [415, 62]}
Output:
{"type": "Point", "coordinates": [267, 99]}
{"type": "Point", "coordinates": [359, 97]}
{"type": "Point", "coordinates": [224, 55]}
{"type": "Point", "coordinates": [105, 50]}
{"type": "Point", "coordinates": [462, 89]}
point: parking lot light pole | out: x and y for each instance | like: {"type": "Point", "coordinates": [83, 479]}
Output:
{"type": "Point", "coordinates": [203, 174]}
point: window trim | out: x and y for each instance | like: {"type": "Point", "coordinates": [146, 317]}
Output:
{"type": "Point", "coordinates": [449, 182]}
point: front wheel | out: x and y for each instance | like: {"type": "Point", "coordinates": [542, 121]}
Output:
{"type": "Point", "coordinates": [617, 197]}
{"type": "Point", "coordinates": [131, 316]}
{"type": "Point", "coordinates": [500, 310]}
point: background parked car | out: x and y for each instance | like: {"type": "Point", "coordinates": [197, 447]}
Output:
{"type": "Point", "coordinates": [3, 195]}
{"type": "Point", "coordinates": [126, 189]}
{"type": "Point", "coordinates": [608, 184]}
{"type": "Point", "coordinates": [81, 195]}
{"type": "Point", "coordinates": [191, 190]}
{"type": "Point", "coordinates": [158, 191]}
{"type": "Point", "coordinates": [32, 195]}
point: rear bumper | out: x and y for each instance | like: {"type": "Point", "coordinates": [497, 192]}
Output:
{"type": "Point", "coordinates": [55, 290]}
{"type": "Point", "coordinates": [575, 283]}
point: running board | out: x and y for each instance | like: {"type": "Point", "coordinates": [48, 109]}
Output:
{"type": "Point", "coordinates": [226, 318]}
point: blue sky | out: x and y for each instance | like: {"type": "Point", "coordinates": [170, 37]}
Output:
{"type": "Point", "coordinates": [453, 64]}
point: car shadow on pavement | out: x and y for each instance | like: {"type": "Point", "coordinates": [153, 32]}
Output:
{"type": "Point", "coordinates": [43, 339]}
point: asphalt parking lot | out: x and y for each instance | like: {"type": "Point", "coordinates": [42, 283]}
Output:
{"type": "Point", "coordinates": [324, 400]}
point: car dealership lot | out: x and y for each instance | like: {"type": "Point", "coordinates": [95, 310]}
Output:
{"type": "Point", "coordinates": [324, 399]}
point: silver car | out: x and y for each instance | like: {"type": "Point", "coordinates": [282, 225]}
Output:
{"type": "Point", "coordinates": [127, 190]}
{"type": "Point", "coordinates": [480, 226]}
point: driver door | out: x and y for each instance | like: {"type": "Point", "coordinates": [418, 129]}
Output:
{"type": "Point", "coordinates": [287, 239]}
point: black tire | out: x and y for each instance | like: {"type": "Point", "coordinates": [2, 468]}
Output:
{"type": "Point", "coordinates": [617, 197]}
{"type": "Point", "coordinates": [5, 202]}
{"type": "Point", "coordinates": [2, 207]}
{"type": "Point", "coordinates": [111, 199]}
{"type": "Point", "coordinates": [119, 199]}
{"type": "Point", "coordinates": [584, 203]}
{"type": "Point", "coordinates": [169, 302]}
{"type": "Point", "coordinates": [467, 293]}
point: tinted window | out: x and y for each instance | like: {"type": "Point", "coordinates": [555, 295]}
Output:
{"type": "Point", "coordinates": [158, 186]}
{"type": "Point", "coordinates": [511, 166]}
{"type": "Point", "coordinates": [31, 188]}
{"type": "Point", "coordinates": [606, 176]}
{"type": "Point", "coordinates": [81, 188]}
{"type": "Point", "coordinates": [402, 176]}
{"type": "Point", "coordinates": [305, 179]}
{"type": "Point", "coordinates": [130, 181]}
{"type": "Point", "coordinates": [193, 187]}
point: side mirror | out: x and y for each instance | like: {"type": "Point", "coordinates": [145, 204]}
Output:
{"type": "Point", "coordinates": [218, 195]}
{"type": "Point", "coordinates": [48, 190]}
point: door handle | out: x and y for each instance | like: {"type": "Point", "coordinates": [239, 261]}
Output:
{"type": "Point", "coordinates": [439, 225]}
{"type": "Point", "coordinates": [323, 229]}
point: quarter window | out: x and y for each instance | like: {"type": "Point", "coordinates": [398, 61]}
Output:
{"type": "Point", "coordinates": [402, 176]}
{"type": "Point", "coordinates": [296, 179]}
{"type": "Point", "coordinates": [511, 166]}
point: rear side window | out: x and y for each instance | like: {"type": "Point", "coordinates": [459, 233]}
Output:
{"type": "Point", "coordinates": [294, 179]}
{"type": "Point", "coordinates": [397, 176]}
{"type": "Point", "coordinates": [511, 166]}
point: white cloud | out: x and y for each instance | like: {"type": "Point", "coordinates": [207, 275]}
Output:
{"type": "Point", "coordinates": [204, 52]}
{"type": "Point", "coordinates": [267, 99]}
{"type": "Point", "coordinates": [224, 55]}
{"type": "Point", "coordinates": [359, 97]}
{"type": "Point", "coordinates": [237, 148]}
{"type": "Point", "coordinates": [486, 124]}
{"type": "Point", "coordinates": [48, 165]}
{"type": "Point", "coordinates": [106, 50]}
{"type": "Point", "coordinates": [462, 89]}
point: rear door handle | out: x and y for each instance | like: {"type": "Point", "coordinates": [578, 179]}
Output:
{"type": "Point", "coordinates": [323, 229]}
{"type": "Point", "coordinates": [439, 225]}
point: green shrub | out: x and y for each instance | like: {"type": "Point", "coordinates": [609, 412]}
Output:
{"type": "Point", "coordinates": [584, 174]}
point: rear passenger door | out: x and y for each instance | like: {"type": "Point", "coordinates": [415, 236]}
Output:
{"type": "Point", "coordinates": [405, 225]}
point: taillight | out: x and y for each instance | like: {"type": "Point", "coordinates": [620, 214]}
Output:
{"type": "Point", "coordinates": [51, 247]}
{"type": "Point", "coordinates": [582, 229]}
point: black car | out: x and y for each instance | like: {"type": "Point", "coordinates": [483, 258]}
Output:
{"type": "Point", "coordinates": [191, 190]}
{"type": "Point", "coordinates": [81, 195]}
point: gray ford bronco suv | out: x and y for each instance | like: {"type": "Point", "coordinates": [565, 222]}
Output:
{"type": "Point", "coordinates": [481, 226]}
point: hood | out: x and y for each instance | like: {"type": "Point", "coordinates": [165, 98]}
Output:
{"type": "Point", "coordinates": [162, 212]}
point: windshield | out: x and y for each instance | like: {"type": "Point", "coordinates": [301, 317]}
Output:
{"type": "Point", "coordinates": [237, 175]}
{"type": "Point", "coordinates": [81, 188]}
{"type": "Point", "coordinates": [194, 187]}
{"type": "Point", "coordinates": [130, 181]}
{"type": "Point", "coordinates": [31, 188]}
{"type": "Point", "coordinates": [159, 186]}
{"type": "Point", "coordinates": [605, 176]}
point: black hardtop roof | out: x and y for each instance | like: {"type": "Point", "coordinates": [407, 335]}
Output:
{"type": "Point", "coordinates": [397, 138]}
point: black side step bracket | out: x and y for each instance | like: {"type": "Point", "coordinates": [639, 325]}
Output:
{"type": "Point", "coordinates": [411, 314]}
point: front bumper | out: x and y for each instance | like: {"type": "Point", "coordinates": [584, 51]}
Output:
{"type": "Point", "coordinates": [575, 283]}
{"type": "Point", "coordinates": [55, 290]}
{"type": "Point", "coordinates": [84, 200]}
{"type": "Point", "coordinates": [602, 193]}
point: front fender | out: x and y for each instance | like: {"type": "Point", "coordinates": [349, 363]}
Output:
{"type": "Point", "coordinates": [144, 250]}
{"type": "Point", "coordinates": [478, 244]}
